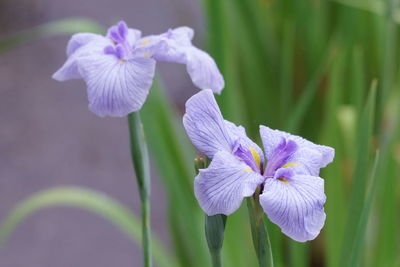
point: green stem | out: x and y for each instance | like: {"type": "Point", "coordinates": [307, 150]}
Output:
{"type": "Point", "coordinates": [140, 160]}
{"type": "Point", "coordinates": [216, 258]}
{"type": "Point", "coordinates": [259, 232]}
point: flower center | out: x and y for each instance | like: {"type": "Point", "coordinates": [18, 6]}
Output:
{"type": "Point", "coordinates": [249, 156]}
{"type": "Point", "coordinates": [285, 149]}
{"type": "Point", "coordinates": [121, 48]}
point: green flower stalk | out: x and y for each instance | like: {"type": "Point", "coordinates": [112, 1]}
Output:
{"type": "Point", "coordinates": [140, 160]}
{"type": "Point", "coordinates": [261, 242]}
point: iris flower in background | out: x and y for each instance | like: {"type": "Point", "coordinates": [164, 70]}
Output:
{"type": "Point", "coordinates": [292, 193]}
{"type": "Point", "coordinates": [119, 68]}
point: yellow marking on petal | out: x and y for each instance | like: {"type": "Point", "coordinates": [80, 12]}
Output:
{"type": "Point", "coordinates": [283, 180]}
{"type": "Point", "coordinates": [145, 42]}
{"type": "Point", "coordinates": [290, 164]}
{"type": "Point", "coordinates": [256, 156]}
{"type": "Point", "coordinates": [146, 55]}
{"type": "Point", "coordinates": [248, 170]}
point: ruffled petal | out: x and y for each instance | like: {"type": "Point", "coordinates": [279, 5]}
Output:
{"type": "Point", "coordinates": [133, 35]}
{"type": "Point", "coordinates": [80, 46]}
{"type": "Point", "coordinates": [181, 35]}
{"type": "Point", "coordinates": [205, 126]}
{"type": "Point", "coordinates": [272, 138]}
{"type": "Point", "coordinates": [178, 48]}
{"type": "Point", "coordinates": [203, 70]}
{"type": "Point", "coordinates": [306, 161]}
{"type": "Point", "coordinates": [116, 87]}
{"type": "Point", "coordinates": [295, 204]}
{"type": "Point", "coordinates": [221, 187]}
{"type": "Point", "coordinates": [173, 42]}
{"type": "Point", "coordinates": [147, 47]}
{"type": "Point", "coordinates": [80, 39]}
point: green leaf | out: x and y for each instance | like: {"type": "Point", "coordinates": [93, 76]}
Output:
{"type": "Point", "coordinates": [61, 27]}
{"type": "Point", "coordinates": [359, 236]}
{"type": "Point", "coordinates": [358, 191]}
{"type": "Point", "coordinates": [377, 7]}
{"type": "Point", "coordinates": [89, 200]}
{"type": "Point", "coordinates": [385, 248]}
{"type": "Point", "coordinates": [309, 92]}
{"type": "Point", "coordinates": [334, 180]}
{"type": "Point", "coordinates": [389, 55]}
{"type": "Point", "coordinates": [286, 78]}
{"type": "Point", "coordinates": [220, 45]}
{"type": "Point", "coordinates": [141, 165]}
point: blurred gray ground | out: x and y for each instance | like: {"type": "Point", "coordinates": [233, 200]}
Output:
{"type": "Point", "coordinates": [49, 138]}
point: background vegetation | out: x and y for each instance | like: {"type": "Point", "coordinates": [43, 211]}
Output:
{"type": "Point", "coordinates": [326, 70]}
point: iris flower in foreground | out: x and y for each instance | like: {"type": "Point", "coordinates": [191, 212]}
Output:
{"type": "Point", "coordinates": [292, 193]}
{"type": "Point", "coordinates": [119, 68]}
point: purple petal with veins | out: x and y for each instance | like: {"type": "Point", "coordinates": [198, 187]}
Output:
{"type": "Point", "coordinates": [118, 68]}
{"type": "Point", "coordinates": [292, 196]}
{"type": "Point", "coordinates": [246, 156]}
{"type": "Point", "coordinates": [284, 150]}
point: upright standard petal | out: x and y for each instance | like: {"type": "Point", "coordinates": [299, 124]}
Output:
{"type": "Point", "coordinates": [120, 33]}
{"type": "Point", "coordinates": [205, 126]}
{"type": "Point", "coordinates": [272, 138]}
{"type": "Point", "coordinates": [201, 67]}
{"type": "Point", "coordinates": [295, 204]}
{"type": "Point", "coordinates": [221, 187]}
{"type": "Point", "coordinates": [116, 87]}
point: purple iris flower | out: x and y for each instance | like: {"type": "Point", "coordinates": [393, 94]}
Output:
{"type": "Point", "coordinates": [292, 193]}
{"type": "Point", "coordinates": [119, 68]}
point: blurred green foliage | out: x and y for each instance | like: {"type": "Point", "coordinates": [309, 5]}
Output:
{"type": "Point", "coordinates": [327, 70]}
{"type": "Point", "coordinates": [307, 67]}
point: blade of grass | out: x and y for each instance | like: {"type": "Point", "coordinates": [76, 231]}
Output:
{"type": "Point", "coordinates": [359, 236]}
{"type": "Point", "coordinates": [358, 79]}
{"type": "Point", "coordinates": [220, 49]}
{"type": "Point", "coordinates": [389, 58]}
{"type": "Point", "coordinates": [387, 242]}
{"type": "Point", "coordinates": [140, 160]}
{"type": "Point", "coordinates": [254, 58]}
{"type": "Point", "coordinates": [358, 191]}
{"type": "Point", "coordinates": [287, 69]}
{"type": "Point", "coordinates": [375, 7]}
{"type": "Point", "coordinates": [334, 179]}
{"type": "Point", "coordinates": [301, 107]}
{"type": "Point", "coordinates": [89, 200]}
